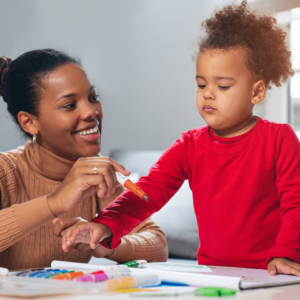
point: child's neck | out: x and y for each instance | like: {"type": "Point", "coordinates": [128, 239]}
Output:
{"type": "Point", "coordinates": [237, 129]}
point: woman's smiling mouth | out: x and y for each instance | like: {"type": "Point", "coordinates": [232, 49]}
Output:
{"type": "Point", "coordinates": [90, 134]}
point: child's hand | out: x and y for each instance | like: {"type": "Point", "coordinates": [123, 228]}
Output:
{"type": "Point", "coordinates": [85, 232]}
{"type": "Point", "coordinates": [283, 266]}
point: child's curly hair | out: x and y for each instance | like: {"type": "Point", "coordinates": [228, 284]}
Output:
{"type": "Point", "coordinates": [267, 51]}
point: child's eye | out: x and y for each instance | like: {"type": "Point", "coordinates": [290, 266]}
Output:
{"type": "Point", "coordinates": [95, 98]}
{"type": "Point", "coordinates": [223, 87]}
{"type": "Point", "coordinates": [201, 86]}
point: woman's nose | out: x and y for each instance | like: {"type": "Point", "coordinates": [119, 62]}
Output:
{"type": "Point", "coordinates": [89, 111]}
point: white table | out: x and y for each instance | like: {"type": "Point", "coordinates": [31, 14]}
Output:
{"type": "Point", "coordinates": [291, 292]}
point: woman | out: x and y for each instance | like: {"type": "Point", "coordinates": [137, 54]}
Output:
{"type": "Point", "coordinates": [59, 173]}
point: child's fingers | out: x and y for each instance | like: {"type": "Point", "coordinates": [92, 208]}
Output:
{"type": "Point", "coordinates": [96, 235]}
{"type": "Point", "coordinates": [272, 268]}
{"type": "Point", "coordinates": [294, 271]}
{"type": "Point", "coordinates": [95, 241]}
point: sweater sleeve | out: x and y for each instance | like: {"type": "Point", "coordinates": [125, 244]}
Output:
{"type": "Point", "coordinates": [287, 162]}
{"type": "Point", "coordinates": [18, 220]}
{"type": "Point", "coordinates": [163, 181]}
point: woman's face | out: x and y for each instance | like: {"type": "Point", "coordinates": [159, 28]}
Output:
{"type": "Point", "coordinates": [70, 114]}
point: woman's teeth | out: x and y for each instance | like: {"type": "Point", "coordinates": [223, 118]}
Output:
{"type": "Point", "coordinates": [87, 132]}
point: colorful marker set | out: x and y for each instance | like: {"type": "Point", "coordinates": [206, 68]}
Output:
{"type": "Point", "coordinates": [75, 274]}
{"type": "Point", "coordinates": [111, 277]}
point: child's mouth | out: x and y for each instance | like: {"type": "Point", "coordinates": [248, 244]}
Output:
{"type": "Point", "coordinates": [208, 108]}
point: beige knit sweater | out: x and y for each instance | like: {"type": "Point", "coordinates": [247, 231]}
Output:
{"type": "Point", "coordinates": [27, 239]}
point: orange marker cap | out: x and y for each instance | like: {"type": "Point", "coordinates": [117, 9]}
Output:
{"type": "Point", "coordinates": [136, 190]}
{"type": "Point", "coordinates": [68, 276]}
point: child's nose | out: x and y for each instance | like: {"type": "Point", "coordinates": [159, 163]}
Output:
{"type": "Point", "coordinates": [208, 94]}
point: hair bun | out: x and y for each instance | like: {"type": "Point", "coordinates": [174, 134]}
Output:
{"type": "Point", "coordinates": [4, 66]}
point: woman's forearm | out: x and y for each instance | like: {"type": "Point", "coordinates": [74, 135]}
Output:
{"type": "Point", "coordinates": [20, 219]}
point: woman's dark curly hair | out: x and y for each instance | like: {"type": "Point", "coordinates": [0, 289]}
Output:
{"type": "Point", "coordinates": [268, 54]}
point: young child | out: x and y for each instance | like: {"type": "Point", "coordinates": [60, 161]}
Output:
{"type": "Point", "coordinates": [244, 171]}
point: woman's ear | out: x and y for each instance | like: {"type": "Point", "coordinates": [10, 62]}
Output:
{"type": "Point", "coordinates": [258, 92]}
{"type": "Point", "coordinates": [28, 122]}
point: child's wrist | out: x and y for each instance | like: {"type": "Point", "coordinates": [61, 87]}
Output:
{"type": "Point", "coordinates": [107, 232]}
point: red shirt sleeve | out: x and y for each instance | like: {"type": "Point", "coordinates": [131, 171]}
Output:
{"type": "Point", "coordinates": [163, 181]}
{"type": "Point", "coordinates": [287, 162]}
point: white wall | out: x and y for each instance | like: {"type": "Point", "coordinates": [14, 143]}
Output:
{"type": "Point", "coordinates": [137, 53]}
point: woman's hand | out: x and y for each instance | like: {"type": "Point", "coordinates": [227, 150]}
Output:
{"type": "Point", "coordinates": [82, 182]}
{"type": "Point", "coordinates": [283, 266]}
{"type": "Point", "coordinates": [60, 226]}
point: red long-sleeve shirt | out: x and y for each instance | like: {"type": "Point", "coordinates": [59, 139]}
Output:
{"type": "Point", "coordinates": [246, 193]}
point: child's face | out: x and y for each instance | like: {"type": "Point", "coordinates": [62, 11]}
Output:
{"type": "Point", "coordinates": [225, 88]}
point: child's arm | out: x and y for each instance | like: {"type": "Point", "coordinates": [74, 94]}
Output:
{"type": "Point", "coordinates": [287, 161]}
{"type": "Point", "coordinates": [146, 241]}
{"type": "Point", "coordinates": [128, 210]}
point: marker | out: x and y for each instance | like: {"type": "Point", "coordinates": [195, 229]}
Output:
{"type": "Point", "coordinates": [36, 274]}
{"type": "Point", "coordinates": [72, 265]}
{"type": "Point", "coordinates": [23, 273]}
{"type": "Point", "coordinates": [3, 271]}
{"type": "Point", "coordinates": [129, 282]}
{"type": "Point", "coordinates": [53, 273]}
{"type": "Point", "coordinates": [98, 272]}
{"type": "Point", "coordinates": [101, 277]}
{"type": "Point", "coordinates": [68, 276]}
{"type": "Point", "coordinates": [155, 293]}
{"type": "Point", "coordinates": [136, 263]}
{"type": "Point", "coordinates": [126, 182]}
{"type": "Point", "coordinates": [214, 292]}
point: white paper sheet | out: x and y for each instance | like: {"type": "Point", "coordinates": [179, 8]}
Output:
{"type": "Point", "coordinates": [175, 267]}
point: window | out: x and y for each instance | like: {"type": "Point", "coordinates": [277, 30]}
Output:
{"type": "Point", "coordinates": [294, 90]}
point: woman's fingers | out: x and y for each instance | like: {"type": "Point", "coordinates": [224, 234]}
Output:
{"type": "Point", "coordinates": [88, 176]}
{"type": "Point", "coordinates": [62, 224]}
{"type": "Point", "coordinates": [104, 169]}
{"type": "Point", "coordinates": [116, 166]}
{"type": "Point", "coordinates": [55, 221]}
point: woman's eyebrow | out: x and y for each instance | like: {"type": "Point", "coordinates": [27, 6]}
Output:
{"type": "Point", "coordinates": [73, 94]}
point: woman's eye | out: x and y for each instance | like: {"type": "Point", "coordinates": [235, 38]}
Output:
{"type": "Point", "coordinates": [95, 98]}
{"type": "Point", "coordinates": [201, 86]}
{"type": "Point", "coordinates": [69, 106]}
{"type": "Point", "coordinates": [224, 87]}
